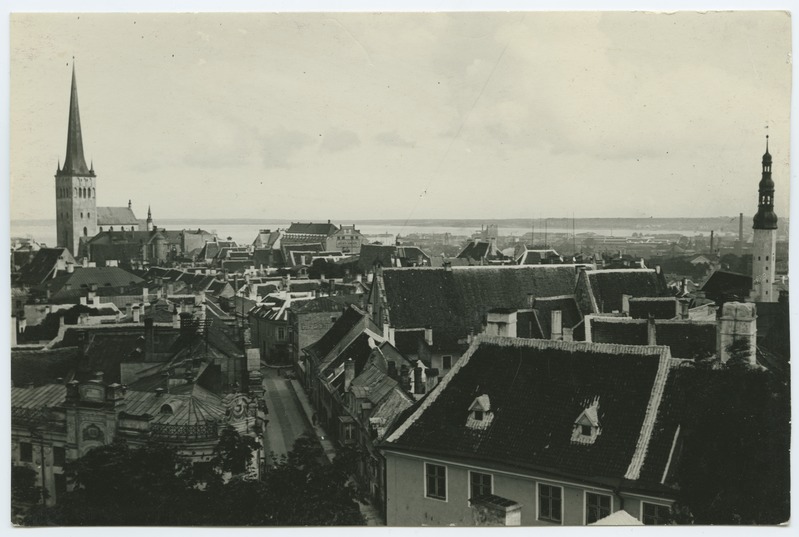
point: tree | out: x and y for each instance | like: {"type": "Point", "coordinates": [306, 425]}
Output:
{"type": "Point", "coordinates": [25, 490]}
{"type": "Point", "coordinates": [735, 463]}
{"type": "Point", "coordinates": [116, 485]}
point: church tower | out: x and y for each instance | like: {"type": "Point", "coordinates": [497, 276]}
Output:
{"type": "Point", "coordinates": [76, 201]}
{"type": "Point", "coordinates": [764, 243]}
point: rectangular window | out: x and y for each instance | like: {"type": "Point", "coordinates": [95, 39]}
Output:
{"type": "Point", "coordinates": [550, 503]}
{"type": "Point", "coordinates": [597, 506]}
{"type": "Point", "coordinates": [481, 484]}
{"type": "Point", "coordinates": [281, 334]}
{"type": "Point", "coordinates": [446, 362]}
{"type": "Point", "coordinates": [26, 452]}
{"type": "Point", "coordinates": [654, 514]}
{"type": "Point", "coordinates": [435, 481]}
{"type": "Point", "coordinates": [59, 456]}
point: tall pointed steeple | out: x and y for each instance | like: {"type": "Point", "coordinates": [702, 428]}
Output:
{"type": "Point", "coordinates": [74, 162]}
{"type": "Point", "coordinates": [765, 217]}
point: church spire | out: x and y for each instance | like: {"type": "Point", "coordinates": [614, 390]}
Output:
{"type": "Point", "coordinates": [765, 217]}
{"type": "Point", "coordinates": [74, 162]}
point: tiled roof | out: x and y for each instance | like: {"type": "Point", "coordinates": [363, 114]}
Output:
{"type": "Point", "coordinates": [42, 366]}
{"type": "Point", "coordinates": [454, 301]}
{"type": "Point", "coordinates": [659, 307]}
{"type": "Point", "coordinates": [570, 312]}
{"type": "Point", "coordinates": [351, 317]}
{"type": "Point", "coordinates": [43, 265]}
{"type": "Point", "coordinates": [608, 286]}
{"type": "Point", "coordinates": [82, 278]}
{"type": "Point", "coordinates": [727, 285]}
{"type": "Point", "coordinates": [375, 253]}
{"type": "Point", "coordinates": [331, 304]}
{"type": "Point", "coordinates": [116, 216]}
{"type": "Point", "coordinates": [686, 339]}
{"type": "Point", "coordinates": [537, 389]}
{"type": "Point", "coordinates": [38, 397]}
{"type": "Point", "coordinates": [106, 348]}
{"type": "Point", "coordinates": [310, 228]}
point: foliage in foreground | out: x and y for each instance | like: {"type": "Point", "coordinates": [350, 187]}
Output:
{"type": "Point", "coordinates": [116, 485]}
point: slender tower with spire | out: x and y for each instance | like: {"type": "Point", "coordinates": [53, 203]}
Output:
{"type": "Point", "coordinates": [149, 219]}
{"type": "Point", "coordinates": [76, 201]}
{"type": "Point", "coordinates": [764, 243]}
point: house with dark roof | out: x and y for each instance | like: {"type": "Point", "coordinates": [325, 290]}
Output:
{"type": "Point", "coordinates": [685, 338]}
{"type": "Point", "coordinates": [119, 218]}
{"type": "Point", "coordinates": [448, 305]}
{"type": "Point", "coordinates": [130, 247]}
{"type": "Point", "coordinates": [603, 291]}
{"type": "Point", "coordinates": [537, 432]}
{"type": "Point", "coordinates": [725, 286]}
{"type": "Point", "coordinates": [345, 239]}
{"type": "Point", "coordinates": [46, 264]}
{"type": "Point", "coordinates": [483, 252]}
{"type": "Point", "coordinates": [321, 230]}
{"type": "Point", "coordinates": [71, 285]}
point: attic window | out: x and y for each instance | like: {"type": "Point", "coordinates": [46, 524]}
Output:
{"type": "Point", "coordinates": [166, 409]}
{"type": "Point", "coordinates": [480, 413]}
{"type": "Point", "coordinates": [586, 427]}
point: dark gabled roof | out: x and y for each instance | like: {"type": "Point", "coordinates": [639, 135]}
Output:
{"type": "Point", "coordinates": [537, 389]}
{"type": "Point", "coordinates": [475, 250]}
{"type": "Point", "coordinates": [68, 286]}
{"type": "Point", "coordinates": [412, 254]}
{"type": "Point", "coordinates": [372, 254]}
{"type": "Point", "coordinates": [726, 285]}
{"type": "Point", "coordinates": [570, 312]}
{"type": "Point", "coordinates": [43, 265]}
{"type": "Point", "coordinates": [310, 228]}
{"type": "Point", "coordinates": [686, 339]}
{"type": "Point", "coordinates": [42, 366]}
{"type": "Point", "coordinates": [116, 216]}
{"type": "Point", "coordinates": [454, 301]}
{"type": "Point", "coordinates": [348, 320]}
{"type": "Point", "coordinates": [300, 286]}
{"type": "Point", "coordinates": [358, 351]}
{"type": "Point", "coordinates": [658, 307]}
{"type": "Point", "coordinates": [106, 348]}
{"type": "Point", "coordinates": [608, 286]}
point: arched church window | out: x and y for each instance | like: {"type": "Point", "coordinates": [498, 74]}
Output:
{"type": "Point", "coordinates": [76, 192]}
{"type": "Point", "coordinates": [85, 232]}
{"type": "Point", "coordinates": [81, 215]}
{"type": "Point", "coordinates": [92, 191]}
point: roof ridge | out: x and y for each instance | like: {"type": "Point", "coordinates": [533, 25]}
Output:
{"type": "Point", "coordinates": [642, 447]}
{"type": "Point", "coordinates": [611, 348]}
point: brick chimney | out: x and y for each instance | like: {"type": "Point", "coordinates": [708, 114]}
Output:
{"type": "Point", "coordinates": [428, 335]}
{"type": "Point", "coordinates": [625, 304]}
{"type": "Point", "coordinates": [136, 314]}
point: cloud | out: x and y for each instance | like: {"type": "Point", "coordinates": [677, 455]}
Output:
{"type": "Point", "coordinates": [278, 145]}
{"type": "Point", "coordinates": [392, 138]}
{"type": "Point", "coordinates": [339, 140]}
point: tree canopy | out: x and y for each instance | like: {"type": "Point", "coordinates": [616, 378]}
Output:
{"type": "Point", "coordinates": [117, 485]}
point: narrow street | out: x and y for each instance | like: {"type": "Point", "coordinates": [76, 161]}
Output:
{"type": "Point", "coordinates": [287, 422]}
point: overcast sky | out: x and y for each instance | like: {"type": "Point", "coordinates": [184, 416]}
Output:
{"type": "Point", "coordinates": [352, 116]}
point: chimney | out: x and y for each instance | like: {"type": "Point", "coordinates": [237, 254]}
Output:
{"type": "Point", "coordinates": [736, 332]}
{"type": "Point", "coordinates": [683, 305]}
{"type": "Point", "coordinates": [651, 331]}
{"type": "Point", "coordinates": [70, 267]}
{"type": "Point", "coordinates": [369, 277]}
{"type": "Point", "coordinates": [740, 246]}
{"type": "Point", "coordinates": [385, 331]}
{"type": "Point", "coordinates": [85, 262]}
{"type": "Point", "coordinates": [149, 340]}
{"type": "Point", "coordinates": [128, 309]}
{"type": "Point", "coordinates": [428, 335]}
{"type": "Point", "coordinates": [711, 241]}
{"type": "Point", "coordinates": [556, 332]}
{"type": "Point", "coordinates": [625, 304]}
{"type": "Point", "coordinates": [358, 278]}
{"type": "Point", "coordinates": [392, 370]}
{"type": "Point", "coordinates": [530, 300]}
{"type": "Point", "coordinates": [501, 322]}
{"type": "Point", "coordinates": [418, 382]}
{"type": "Point", "coordinates": [136, 314]}
{"type": "Point", "coordinates": [175, 319]}
{"type": "Point", "coordinates": [159, 392]}
{"type": "Point", "coordinates": [447, 266]}
{"type": "Point", "coordinates": [145, 295]}
{"type": "Point", "coordinates": [349, 373]}
{"type": "Point", "coordinates": [657, 269]}
{"type": "Point", "coordinates": [568, 334]}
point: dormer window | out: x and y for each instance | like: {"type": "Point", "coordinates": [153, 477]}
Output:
{"type": "Point", "coordinates": [586, 427]}
{"type": "Point", "coordinates": [480, 413]}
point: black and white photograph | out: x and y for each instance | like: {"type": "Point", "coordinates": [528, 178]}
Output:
{"type": "Point", "coordinates": [399, 268]}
